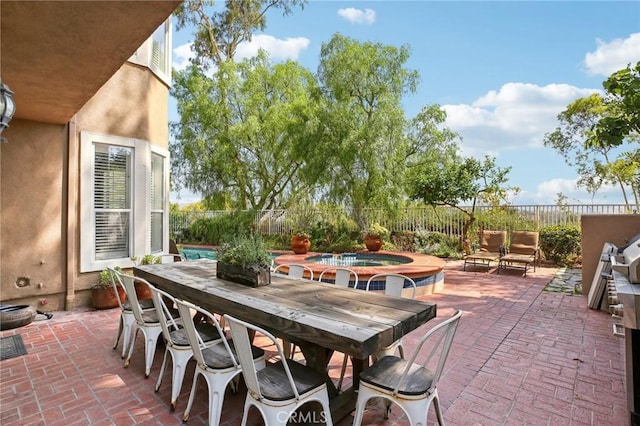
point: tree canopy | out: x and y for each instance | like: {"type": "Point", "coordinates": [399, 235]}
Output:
{"type": "Point", "coordinates": [254, 134]}
{"type": "Point", "coordinates": [594, 129]}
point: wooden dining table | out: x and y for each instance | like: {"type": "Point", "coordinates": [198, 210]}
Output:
{"type": "Point", "coordinates": [319, 318]}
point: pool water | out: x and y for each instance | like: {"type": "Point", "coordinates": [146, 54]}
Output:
{"type": "Point", "coordinates": [192, 253]}
{"type": "Point", "coordinates": [358, 259]}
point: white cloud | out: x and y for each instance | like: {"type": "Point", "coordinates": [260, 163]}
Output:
{"type": "Point", "coordinates": [546, 192]}
{"type": "Point", "coordinates": [515, 117]}
{"type": "Point", "coordinates": [358, 16]}
{"type": "Point", "coordinates": [277, 49]}
{"type": "Point", "coordinates": [613, 56]}
{"type": "Point", "coordinates": [181, 56]}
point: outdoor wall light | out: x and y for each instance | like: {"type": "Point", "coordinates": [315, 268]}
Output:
{"type": "Point", "coordinates": [7, 107]}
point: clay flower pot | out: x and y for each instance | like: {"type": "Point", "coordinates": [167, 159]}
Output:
{"type": "Point", "coordinates": [373, 242]}
{"type": "Point", "coordinates": [103, 297]}
{"type": "Point", "coordinates": [300, 243]}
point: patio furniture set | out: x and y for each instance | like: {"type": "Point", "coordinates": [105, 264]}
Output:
{"type": "Point", "coordinates": [522, 251]}
{"type": "Point", "coordinates": [366, 327]}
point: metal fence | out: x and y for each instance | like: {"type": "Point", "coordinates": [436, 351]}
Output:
{"type": "Point", "coordinates": [447, 220]}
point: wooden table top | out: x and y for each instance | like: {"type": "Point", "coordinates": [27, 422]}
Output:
{"type": "Point", "coordinates": [351, 321]}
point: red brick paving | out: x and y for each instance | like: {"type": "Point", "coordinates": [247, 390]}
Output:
{"type": "Point", "coordinates": [521, 356]}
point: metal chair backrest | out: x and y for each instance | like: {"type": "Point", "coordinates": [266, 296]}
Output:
{"type": "Point", "coordinates": [295, 270]}
{"type": "Point", "coordinates": [394, 284]}
{"type": "Point", "coordinates": [440, 338]}
{"type": "Point", "coordinates": [195, 339]}
{"type": "Point", "coordinates": [342, 276]}
{"type": "Point", "coordinates": [240, 336]}
{"type": "Point", "coordinates": [128, 282]}
{"type": "Point", "coordinates": [115, 285]}
{"type": "Point", "coordinates": [168, 321]}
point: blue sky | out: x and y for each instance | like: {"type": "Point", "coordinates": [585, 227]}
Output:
{"type": "Point", "coordinates": [502, 70]}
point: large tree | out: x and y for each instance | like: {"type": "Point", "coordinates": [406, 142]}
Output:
{"type": "Point", "coordinates": [594, 129]}
{"type": "Point", "coordinates": [363, 84]}
{"type": "Point", "coordinates": [221, 29]}
{"type": "Point", "coordinates": [440, 176]}
{"type": "Point", "coordinates": [242, 136]}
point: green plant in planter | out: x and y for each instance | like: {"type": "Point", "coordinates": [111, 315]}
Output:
{"type": "Point", "coordinates": [301, 233]}
{"type": "Point", "coordinates": [102, 293]}
{"type": "Point", "coordinates": [104, 279]}
{"type": "Point", "coordinates": [248, 252]}
{"type": "Point", "coordinates": [147, 259]}
{"type": "Point", "coordinates": [377, 231]}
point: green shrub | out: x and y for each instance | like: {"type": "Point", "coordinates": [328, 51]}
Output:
{"type": "Point", "coordinates": [215, 230]}
{"type": "Point", "coordinates": [437, 244]}
{"type": "Point", "coordinates": [560, 243]}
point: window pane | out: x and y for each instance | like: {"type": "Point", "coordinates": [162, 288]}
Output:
{"type": "Point", "coordinates": [112, 177]}
{"type": "Point", "coordinates": [157, 182]}
{"type": "Point", "coordinates": [112, 201]}
{"type": "Point", "coordinates": [156, 232]}
{"type": "Point", "coordinates": [112, 235]}
{"type": "Point", "coordinates": [159, 51]}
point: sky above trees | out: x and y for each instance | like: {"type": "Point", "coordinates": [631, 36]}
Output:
{"type": "Point", "coordinates": [502, 71]}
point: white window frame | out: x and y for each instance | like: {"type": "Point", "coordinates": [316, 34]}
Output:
{"type": "Point", "coordinates": [140, 232]}
{"type": "Point", "coordinates": [144, 55]}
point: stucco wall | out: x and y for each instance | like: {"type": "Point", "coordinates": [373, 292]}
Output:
{"type": "Point", "coordinates": [32, 182]}
{"type": "Point", "coordinates": [39, 212]}
{"type": "Point", "coordinates": [134, 103]}
{"type": "Point", "coordinates": [600, 229]}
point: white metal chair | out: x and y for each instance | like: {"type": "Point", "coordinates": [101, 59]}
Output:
{"type": "Point", "coordinates": [294, 270]}
{"type": "Point", "coordinates": [407, 383]}
{"type": "Point", "coordinates": [177, 341]}
{"type": "Point", "coordinates": [342, 278]}
{"type": "Point", "coordinates": [217, 364]}
{"type": "Point", "coordinates": [297, 384]}
{"type": "Point", "coordinates": [127, 319]}
{"type": "Point", "coordinates": [394, 285]}
{"type": "Point", "coordinates": [146, 321]}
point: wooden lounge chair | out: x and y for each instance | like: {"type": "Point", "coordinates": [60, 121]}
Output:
{"type": "Point", "coordinates": [491, 248]}
{"type": "Point", "coordinates": [522, 251]}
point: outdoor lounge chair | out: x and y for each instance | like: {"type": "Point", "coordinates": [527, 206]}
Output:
{"type": "Point", "coordinates": [522, 251]}
{"type": "Point", "coordinates": [491, 248]}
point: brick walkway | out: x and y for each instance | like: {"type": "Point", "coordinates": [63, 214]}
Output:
{"type": "Point", "coordinates": [521, 355]}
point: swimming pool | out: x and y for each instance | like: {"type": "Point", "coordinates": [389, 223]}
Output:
{"type": "Point", "coordinates": [203, 252]}
{"type": "Point", "coordinates": [427, 271]}
{"type": "Point", "coordinates": [359, 259]}
{"type": "Point", "coordinates": [192, 253]}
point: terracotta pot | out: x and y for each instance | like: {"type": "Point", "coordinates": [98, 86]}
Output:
{"type": "Point", "coordinates": [300, 245]}
{"type": "Point", "coordinates": [105, 298]}
{"type": "Point", "coordinates": [373, 243]}
{"type": "Point", "coordinates": [142, 290]}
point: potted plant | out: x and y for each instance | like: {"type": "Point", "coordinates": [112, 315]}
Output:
{"type": "Point", "coordinates": [102, 293]}
{"type": "Point", "coordinates": [142, 290]}
{"type": "Point", "coordinates": [246, 261]}
{"type": "Point", "coordinates": [300, 242]}
{"type": "Point", "coordinates": [374, 237]}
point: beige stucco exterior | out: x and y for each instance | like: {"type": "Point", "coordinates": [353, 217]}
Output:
{"type": "Point", "coordinates": [40, 193]}
{"type": "Point", "coordinates": [67, 64]}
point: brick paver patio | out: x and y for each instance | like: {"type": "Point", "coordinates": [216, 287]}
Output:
{"type": "Point", "coordinates": [521, 356]}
